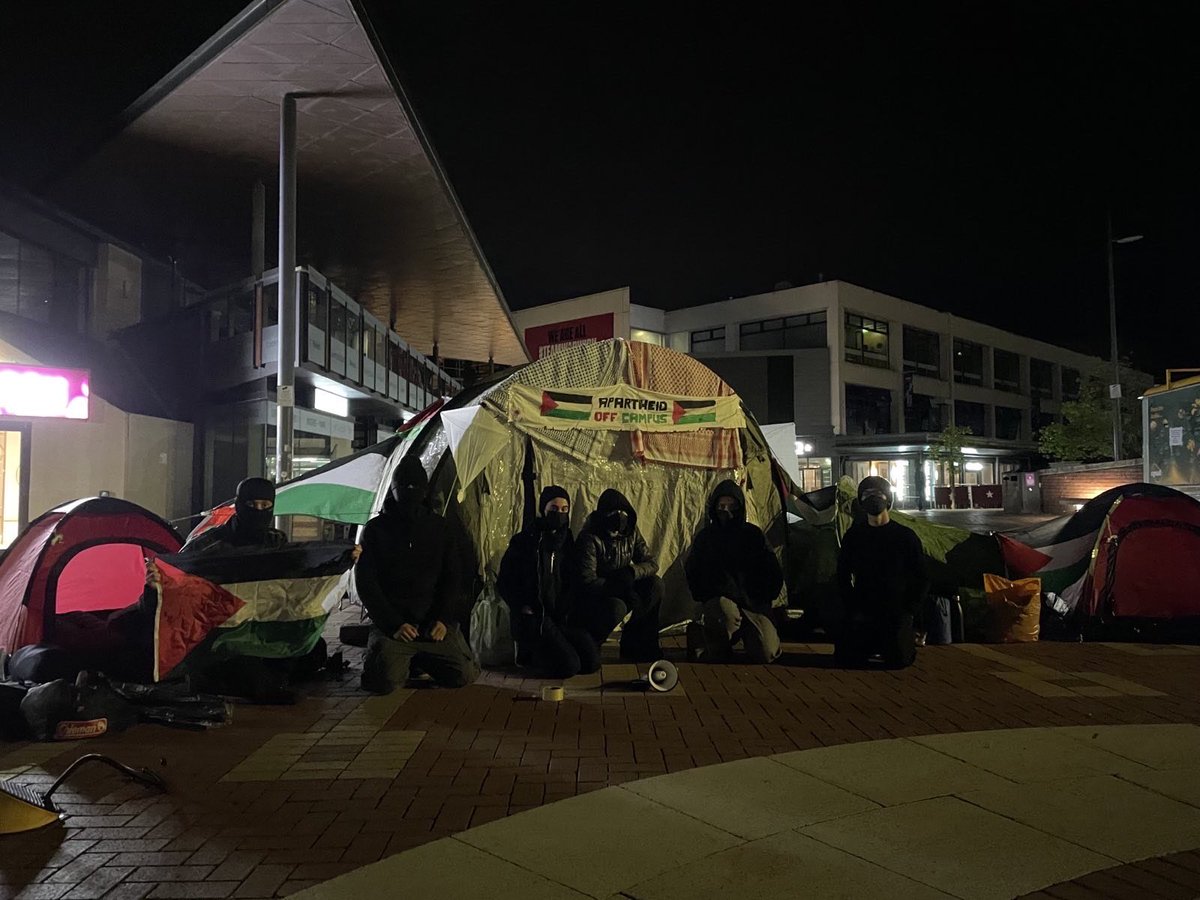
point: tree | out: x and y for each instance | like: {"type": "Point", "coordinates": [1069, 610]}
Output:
{"type": "Point", "coordinates": [948, 447]}
{"type": "Point", "coordinates": [1086, 432]}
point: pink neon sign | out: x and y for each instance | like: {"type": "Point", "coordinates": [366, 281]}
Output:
{"type": "Point", "coordinates": [32, 391]}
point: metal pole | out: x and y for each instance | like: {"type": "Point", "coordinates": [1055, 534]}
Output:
{"type": "Point", "coordinates": [1112, 328]}
{"type": "Point", "coordinates": [285, 396]}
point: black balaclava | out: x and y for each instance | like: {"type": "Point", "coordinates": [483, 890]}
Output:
{"type": "Point", "coordinates": [553, 521]}
{"type": "Point", "coordinates": [737, 515]}
{"type": "Point", "coordinates": [874, 495]}
{"type": "Point", "coordinates": [251, 524]}
{"type": "Point", "coordinates": [615, 514]}
{"type": "Point", "coordinates": [410, 486]}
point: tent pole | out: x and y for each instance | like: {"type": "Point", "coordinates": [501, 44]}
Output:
{"type": "Point", "coordinates": [285, 394]}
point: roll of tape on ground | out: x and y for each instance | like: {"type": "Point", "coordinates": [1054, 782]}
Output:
{"type": "Point", "coordinates": [552, 693]}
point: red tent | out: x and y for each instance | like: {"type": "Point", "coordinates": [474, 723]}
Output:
{"type": "Point", "coordinates": [84, 556]}
{"type": "Point", "coordinates": [1147, 561]}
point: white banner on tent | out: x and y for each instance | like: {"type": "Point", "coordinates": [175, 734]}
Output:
{"type": "Point", "coordinates": [456, 422]}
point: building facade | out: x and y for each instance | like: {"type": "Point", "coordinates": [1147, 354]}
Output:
{"type": "Point", "coordinates": [870, 379]}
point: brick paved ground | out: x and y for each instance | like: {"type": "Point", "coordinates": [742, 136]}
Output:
{"type": "Point", "coordinates": [287, 797]}
{"type": "Point", "coordinates": [1172, 877]}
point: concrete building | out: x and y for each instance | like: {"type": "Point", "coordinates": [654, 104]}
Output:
{"type": "Point", "coordinates": [867, 378]}
{"type": "Point", "coordinates": [283, 221]}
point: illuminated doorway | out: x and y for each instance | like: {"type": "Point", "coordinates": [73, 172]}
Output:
{"type": "Point", "coordinates": [13, 511]}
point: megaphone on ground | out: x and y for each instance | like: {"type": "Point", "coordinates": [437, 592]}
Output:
{"type": "Point", "coordinates": [662, 676]}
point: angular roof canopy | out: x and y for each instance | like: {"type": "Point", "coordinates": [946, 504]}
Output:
{"type": "Point", "coordinates": [375, 211]}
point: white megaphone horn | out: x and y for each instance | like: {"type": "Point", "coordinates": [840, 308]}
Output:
{"type": "Point", "coordinates": [662, 676]}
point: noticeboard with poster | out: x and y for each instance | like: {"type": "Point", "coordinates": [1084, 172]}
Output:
{"type": "Point", "coordinates": [1172, 434]}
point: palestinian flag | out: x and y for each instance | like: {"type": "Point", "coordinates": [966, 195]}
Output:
{"type": "Point", "coordinates": [264, 603]}
{"type": "Point", "coordinates": [561, 405]}
{"type": "Point", "coordinates": [694, 412]}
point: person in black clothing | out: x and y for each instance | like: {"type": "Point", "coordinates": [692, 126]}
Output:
{"type": "Point", "coordinates": [408, 580]}
{"type": "Point", "coordinates": [249, 526]}
{"type": "Point", "coordinates": [882, 583]}
{"type": "Point", "coordinates": [735, 576]}
{"type": "Point", "coordinates": [534, 583]}
{"type": "Point", "coordinates": [617, 575]}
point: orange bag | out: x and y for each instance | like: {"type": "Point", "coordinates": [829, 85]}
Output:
{"type": "Point", "coordinates": [1014, 609]}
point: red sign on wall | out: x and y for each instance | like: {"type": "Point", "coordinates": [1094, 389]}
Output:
{"type": "Point", "coordinates": [542, 340]}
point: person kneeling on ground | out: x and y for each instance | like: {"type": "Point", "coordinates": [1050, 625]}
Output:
{"type": "Point", "coordinates": [617, 576]}
{"type": "Point", "coordinates": [534, 583]}
{"type": "Point", "coordinates": [734, 576]}
{"type": "Point", "coordinates": [882, 583]}
{"type": "Point", "coordinates": [407, 579]}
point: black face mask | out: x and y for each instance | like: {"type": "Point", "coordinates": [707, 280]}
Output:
{"type": "Point", "coordinates": [874, 504]}
{"type": "Point", "coordinates": [724, 516]}
{"type": "Point", "coordinates": [555, 520]}
{"type": "Point", "coordinates": [616, 522]}
{"type": "Point", "coordinates": [253, 520]}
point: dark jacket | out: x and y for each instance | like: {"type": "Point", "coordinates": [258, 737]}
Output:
{"type": "Point", "coordinates": [408, 572]}
{"type": "Point", "coordinates": [881, 570]}
{"type": "Point", "coordinates": [535, 572]}
{"type": "Point", "coordinates": [599, 557]}
{"type": "Point", "coordinates": [733, 560]}
{"type": "Point", "coordinates": [227, 536]}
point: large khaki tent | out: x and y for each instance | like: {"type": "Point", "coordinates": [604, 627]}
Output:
{"type": "Point", "coordinates": [656, 424]}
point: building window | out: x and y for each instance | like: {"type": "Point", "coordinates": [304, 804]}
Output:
{"type": "Point", "coordinates": [803, 332]}
{"type": "Point", "coordinates": [867, 341]}
{"type": "Point", "coordinates": [968, 363]}
{"type": "Point", "coordinates": [1041, 379]}
{"type": "Point", "coordinates": [711, 340]}
{"type": "Point", "coordinates": [868, 410]}
{"type": "Point", "coordinates": [971, 415]}
{"type": "Point", "coordinates": [1008, 423]}
{"type": "Point", "coordinates": [922, 352]}
{"type": "Point", "coordinates": [1070, 383]}
{"type": "Point", "coordinates": [925, 414]}
{"type": "Point", "coordinates": [1006, 371]}
{"type": "Point", "coordinates": [1042, 420]}
{"type": "Point", "coordinates": [38, 284]}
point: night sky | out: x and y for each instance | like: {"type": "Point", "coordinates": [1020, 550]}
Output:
{"type": "Point", "coordinates": [958, 155]}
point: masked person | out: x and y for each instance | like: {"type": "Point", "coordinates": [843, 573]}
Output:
{"type": "Point", "coordinates": [734, 576]}
{"type": "Point", "coordinates": [534, 583]}
{"type": "Point", "coordinates": [408, 580]}
{"type": "Point", "coordinates": [882, 583]}
{"type": "Point", "coordinates": [617, 575]}
{"type": "Point", "coordinates": [250, 524]}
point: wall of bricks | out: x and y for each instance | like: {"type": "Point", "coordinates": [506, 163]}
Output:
{"type": "Point", "coordinates": [1065, 486]}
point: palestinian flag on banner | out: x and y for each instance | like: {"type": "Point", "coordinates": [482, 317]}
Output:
{"type": "Point", "coordinates": [561, 405]}
{"type": "Point", "coordinates": [264, 603]}
{"type": "Point", "coordinates": [694, 412]}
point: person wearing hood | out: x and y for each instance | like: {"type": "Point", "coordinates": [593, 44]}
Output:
{"type": "Point", "coordinates": [734, 576]}
{"type": "Point", "coordinates": [534, 583]}
{"type": "Point", "coordinates": [882, 583]}
{"type": "Point", "coordinates": [249, 526]}
{"type": "Point", "coordinates": [408, 580]}
{"type": "Point", "coordinates": [617, 576]}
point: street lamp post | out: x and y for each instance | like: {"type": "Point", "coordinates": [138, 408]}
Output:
{"type": "Point", "coordinates": [1115, 388]}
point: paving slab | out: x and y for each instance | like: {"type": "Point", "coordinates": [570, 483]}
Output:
{"type": "Point", "coordinates": [599, 843]}
{"type": "Point", "coordinates": [891, 772]}
{"type": "Point", "coordinates": [783, 866]}
{"type": "Point", "coordinates": [1030, 754]}
{"type": "Point", "coordinates": [751, 798]}
{"type": "Point", "coordinates": [1178, 784]}
{"type": "Point", "coordinates": [1106, 814]}
{"type": "Point", "coordinates": [1173, 746]}
{"type": "Point", "coordinates": [959, 848]}
{"type": "Point", "coordinates": [446, 868]}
